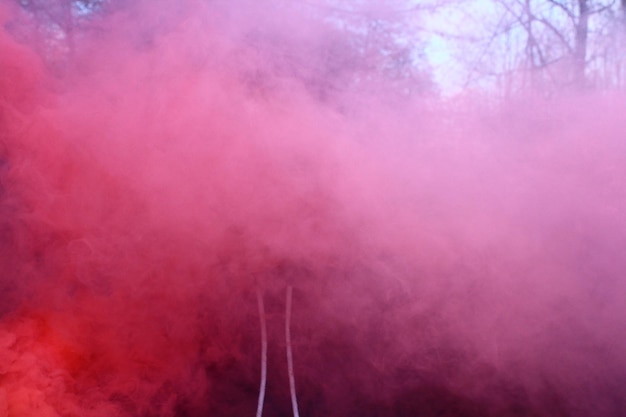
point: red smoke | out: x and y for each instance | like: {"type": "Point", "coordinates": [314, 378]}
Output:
{"type": "Point", "coordinates": [447, 259]}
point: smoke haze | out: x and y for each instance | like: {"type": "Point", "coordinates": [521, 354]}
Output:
{"type": "Point", "coordinates": [448, 257]}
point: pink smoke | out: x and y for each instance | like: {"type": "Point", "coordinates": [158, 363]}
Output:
{"type": "Point", "coordinates": [447, 258]}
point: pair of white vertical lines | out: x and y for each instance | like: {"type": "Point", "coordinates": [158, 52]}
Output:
{"type": "Point", "coordinates": [292, 380]}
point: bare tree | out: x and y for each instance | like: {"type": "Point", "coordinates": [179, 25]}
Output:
{"type": "Point", "coordinates": [547, 45]}
{"type": "Point", "coordinates": [52, 26]}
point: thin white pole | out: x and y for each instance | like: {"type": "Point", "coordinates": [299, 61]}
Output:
{"type": "Point", "coordinates": [292, 380]}
{"type": "Point", "coordinates": [259, 298]}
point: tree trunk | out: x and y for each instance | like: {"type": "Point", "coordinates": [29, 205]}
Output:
{"type": "Point", "coordinates": [580, 46]}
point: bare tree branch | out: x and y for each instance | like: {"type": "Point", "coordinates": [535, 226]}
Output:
{"type": "Point", "coordinates": [557, 32]}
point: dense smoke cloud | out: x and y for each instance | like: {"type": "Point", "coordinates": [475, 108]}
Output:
{"type": "Point", "coordinates": [448, 258]}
